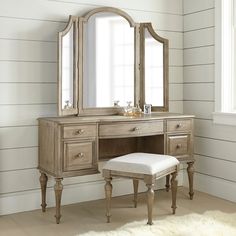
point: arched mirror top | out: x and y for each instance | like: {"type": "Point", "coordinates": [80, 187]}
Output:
{"type": "Point", "coordinates": [71, 21]}
{"type": "Point", "coordinates": [109, 10]}
{"type": "Point", "coordinates": [107, 60]}
{"type": "Point", "coordinates": [150, 29]}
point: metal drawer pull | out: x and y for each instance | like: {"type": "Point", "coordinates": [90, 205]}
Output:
{"type": "Point", "coordinates": [178, 146]}
{"type": "Point", "coordinates": [135, 129]}
{"type": "Point", "coordinates": [179, 125]}
{"type": "Point", "coordinates": [79, 131]}
{"type": "Point", "coordinates": [79, 155]}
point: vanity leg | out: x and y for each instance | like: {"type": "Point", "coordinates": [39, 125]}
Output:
{"type": "Point", "coordinates": [174, 186]}
{"type": "Point", "coordinates": [167, 183]}
{"type": "Point", "coordinates": [150, 200]}
{"type": "Point", "coordinates": [190, 171]}
{"type": "Point", "coordinates": [108, 193]}
{"type": "Point", "coordinates": [43, 179]}
{"type": "Point", "coordinates": [135, 184]}
{"type": "Point", "coordinates": [58, 187]}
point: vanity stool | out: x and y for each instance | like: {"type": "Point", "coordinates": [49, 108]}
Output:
{"type": "Point", "coordinates": [141, 166]}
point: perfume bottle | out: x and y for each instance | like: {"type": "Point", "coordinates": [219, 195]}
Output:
{"type": "Point", "coordinates": [137, 110]}
{"type": "Point", "coordinates": [128, 110]}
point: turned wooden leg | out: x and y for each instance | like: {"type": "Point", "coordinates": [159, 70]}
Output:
{"type": "Point", "coordinates": [58, 187]}
{"type": "Point", "coordinates": [190, 170]}
{"type": "Point", "coordinates": [43, 183]}
{"type": "Point", "coordinates": [135, 184]}
{"type": "Point", "coordinates": [167, 183]}
{"type": "Point", "coordinates": [108, 193]}
{"type": "Point", "coordinates": [174, 185]}
{"type": "Point", "coordinates": [150, 199]}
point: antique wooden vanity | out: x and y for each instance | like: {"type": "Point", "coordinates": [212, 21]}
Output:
{"type": "Point", "coordinates": [106, 60]}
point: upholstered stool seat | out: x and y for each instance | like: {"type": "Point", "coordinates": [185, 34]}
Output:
{"type": "Point", "coordinates": [141, 166]}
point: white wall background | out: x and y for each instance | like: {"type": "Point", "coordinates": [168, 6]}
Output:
{"type": "Point", "coordinates": [215, 145]}
{"type": "Point", "coordinates": [28, 62]}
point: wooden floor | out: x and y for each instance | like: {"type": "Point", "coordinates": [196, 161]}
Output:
{"type": "Point", "coordinates": [83, 217]}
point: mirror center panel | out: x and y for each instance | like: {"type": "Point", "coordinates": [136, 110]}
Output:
{"type": "Point", "coordinates": [108, 61]}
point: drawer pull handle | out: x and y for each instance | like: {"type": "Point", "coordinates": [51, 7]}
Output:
{"type": "Point", "coordinates": [178, 146]}
{"type": "Point", "coordinates": [135, 129]}
{"type": "Point", "coordinates": [179, 125]}
{"type": "Point", "coordinates": [79, 131]}
{"type": "Point", "coordinates": [79, 155]}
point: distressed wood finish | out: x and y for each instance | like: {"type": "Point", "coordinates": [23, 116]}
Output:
{"type": "Point", "coordinates": [190, 171]}
{"type": "Point", "coordinates": [135, 185]}
{"type": "Point", "coordinates": [81, 131]}
{"type": "Point", "coordinates": [58, 187]}
{"type": "Point", "coordinates": [174, 185]}
{"type": "Point", "coordinates": [43, 183]}
{"type": "Point", "coordinates": [178, 145]}
{"type": "Point", "coordinates": [165, 43]}
{"type": "Point", "coordinates": [167, 183]}
{"type": "Point", "coordinates": [179, 125]}
{"type": "Point", "coordinates": [73, 22]}
{"type": "Point", "coordinates": [130, 129]}
{"type": "Point", "coordinates": [63, 153]}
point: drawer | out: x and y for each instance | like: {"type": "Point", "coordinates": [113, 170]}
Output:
{"type": "Point", "coordinates": [178, 125]}
{"type": "Point", "coordinates": [121, 129]}
{"type": "Point", "coordinates": [178, 145]}
{"type": "Point", "coordinates": [79, 155]}
{"type": "Point", "coordinates": [77, 131]}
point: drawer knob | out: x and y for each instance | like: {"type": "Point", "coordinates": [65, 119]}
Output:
{"type": "Point", "coordinates": [79, 155]}
{"type": "Point", "coordinates": [79, 131]}
{"type": "Point", "coordinates": [135, 129]}
{"type": "Point", "coordinates": [179, 125]}
{"type": "Point", "coordinates": [178, 146]}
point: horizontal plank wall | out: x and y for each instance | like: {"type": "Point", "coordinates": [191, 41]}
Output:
{"type": "Point", "coordinates": [215, 145]}
{"type": "Point", "coordinates": [28, 83]}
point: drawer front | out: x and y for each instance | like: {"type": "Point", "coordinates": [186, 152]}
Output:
{"type": "Point", "coordinates": [78, 155]}
{"type": "Point", "coordinates": [130, 129]}
{"type": "Point", "coordinates": [178, 125]}
{"type": "Point", "coordinates": [178, 145]}
{"type": "Point", "coordinates": [77, 131]}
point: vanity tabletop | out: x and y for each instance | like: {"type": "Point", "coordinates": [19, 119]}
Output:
{"type": "Point", "coordinates": [116, 118]}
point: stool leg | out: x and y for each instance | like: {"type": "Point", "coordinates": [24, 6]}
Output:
{"type": "Point", "coordinates": [135, 184]}
{"type": "Point", "coordinates": [150, 199]}
{"type": "Point", "coordinates": [167, 183]}
{"type": "Point", "coordinates": [190, 170]}
{"type": "Point", "coordinates": [108, 192]}
{"type": "Point", "coordinates": [174, 184]}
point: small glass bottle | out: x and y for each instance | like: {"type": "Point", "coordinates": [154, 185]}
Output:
{"type": "Point", "coordinates": [128, 110]}
{"type": "Point", "coordinates": [137, 110]}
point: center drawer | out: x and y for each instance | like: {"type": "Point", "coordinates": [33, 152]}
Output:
{"type": "Point", "coordinates": [122, 129]}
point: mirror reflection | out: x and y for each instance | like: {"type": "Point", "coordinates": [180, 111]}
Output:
{"type": "Point", "coordinates": [67, 69]}
{"type": "Point", "coordinates": [154, 71]}
{"type": "Point", "coordinates": [108, 63]}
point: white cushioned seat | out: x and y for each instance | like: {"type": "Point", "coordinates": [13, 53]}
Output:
{"type": "Point", "coordinates": [142, 163]}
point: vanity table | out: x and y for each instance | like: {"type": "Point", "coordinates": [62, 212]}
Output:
{"type": "Point", "coordinates": [106, 60]}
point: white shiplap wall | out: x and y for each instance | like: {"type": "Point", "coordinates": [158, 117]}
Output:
{"type": "Point", "coordinates": [215, 145]}
{"type": "Point", "coordinates": [28, 62]}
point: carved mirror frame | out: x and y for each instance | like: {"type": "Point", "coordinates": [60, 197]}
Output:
{"type": "Point", "coordinates": [165, 43]}
{"type": "Point", "coordinates": [72, 24]}
{"type": "Point", "coordinates": [139, 65]}
{"type": "Point", "coordinates": [82, 21]}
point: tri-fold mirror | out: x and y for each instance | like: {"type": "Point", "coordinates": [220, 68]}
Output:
{"type": "Point", "coordinates": [106, 61]}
